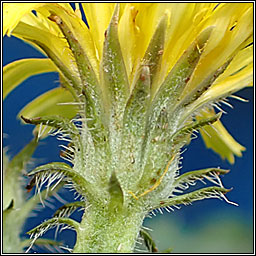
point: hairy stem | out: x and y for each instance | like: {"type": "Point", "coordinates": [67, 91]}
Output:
{"type": "Point", "coordinates": [106, 230]}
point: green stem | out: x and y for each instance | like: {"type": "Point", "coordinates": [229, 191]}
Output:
{"type": "Point", "coordinates": [104, 230]}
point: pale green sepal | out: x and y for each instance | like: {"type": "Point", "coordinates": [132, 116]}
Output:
{"type": "Point", "coordinates": [51, 223]}
{"type": "Point", "coordinates": [115, 86]}
{"type": "Point", "coordinates": [41, 242]}
{"type": "Point", "coordinates": [31, 203]}
{"type": "Point", "coordinates": [134, 121]}
{"type": "Point", "coordinates": [182, 136]}
{"type": "Point", "coordinates": [38, 231]}
{"type": "Point", "coordinates": [138, 102]}
{"type": "Point", "coordinates": [90, 85]}
{"type": "Point", "coordinates": [67, 209]}
{"type": "Point", "coordinates": [186, 199]}
{"type": "Point", "coordinates": [177, 79]}
{"type": "Point", "coordinates": [57, 122]}
{"type": "Point", "coordinates": [149, 242]}
{"type": "Point", "coordinates": [204, 85]}
{"type": "Point", "coordinates": [80, 183]}
{"type": "Point", "coordinates": [18, 71]}
{"type": "Point", "coordinates": [113, 70]}
{"type": "Point", "coordinates": [191, 177]}
{"type": "Point", "coordinates": [153, 55]}
{"type": "Point", "coordinates": [169, 92]}
{"type": "Point", "coordinates": [39, 38]}
{"type": "Point", "coordinates": [73, 83]}
{"type": "Point", "coordinates": [116, 193]}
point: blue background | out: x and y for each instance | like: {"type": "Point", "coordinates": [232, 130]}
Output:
{"type": "Point", "coordinates": [206, 226]}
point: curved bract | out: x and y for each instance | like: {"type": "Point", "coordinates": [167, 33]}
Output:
{"type": "Point", "coordinates": [142, 77]}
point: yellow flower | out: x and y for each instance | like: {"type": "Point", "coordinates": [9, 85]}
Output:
{"type": "Point", "coordinates": [178, 25]}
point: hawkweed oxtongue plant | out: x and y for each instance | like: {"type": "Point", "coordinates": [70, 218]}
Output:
{"type": "Point", "coordinates": [136, 83]}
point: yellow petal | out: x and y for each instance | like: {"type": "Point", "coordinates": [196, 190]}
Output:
{"type": "Point", "coordinates": [186, 22]}
{"type": "Point", "coordinates": [240, 61]}
{"type": "Point", "coordinates": [228, 86]}
{"type": "Point", "coordinates": [77, 28]}
{"type": "Point", "coordinates": [58, 46]}
{"type": "Point", "coordinates": [49, 104]}
{"type": "Point", "coordinates": [225, 39]}
{"type": "Point", "coordinates": [128, 29]}
{"type": "Point", "coordinates": [219, 140]}
{"type": "Point", "coordinates": [147, 19]}
{"type": "Point", "coordinates": [17, 71]}
{"type": "Point", "coordinates": [13, 12]}
{"type": "Point", "coordinates": [139, 22]}
{"type": "Point", "coordinates": [145, 23]}
{"type": "Point", "coordinates": [98, 16]}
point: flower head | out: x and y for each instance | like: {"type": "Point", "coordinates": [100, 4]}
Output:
{"type": "Point", "coordinates": [149, 34]}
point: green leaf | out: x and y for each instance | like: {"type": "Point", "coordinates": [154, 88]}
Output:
{"type": "Point", "coordinates": [19, 161]}
{"type": "Point", "coordinates": [11, 226]}
{"type": "Point", "coordinates": [18, 71]}
{"type": "Point", "coordinates": [14, 218]}
{"type": "Point", "coordinates": [10, 207]}
{"type": "Point", "coordinates": [169, 250]}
